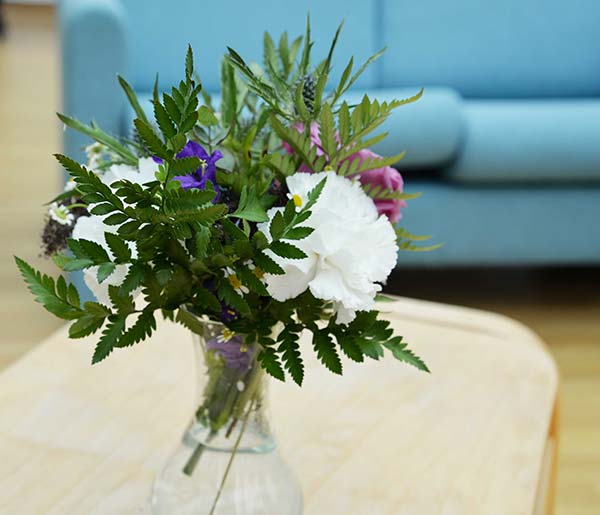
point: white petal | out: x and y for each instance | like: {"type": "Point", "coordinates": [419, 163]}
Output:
{"type": "Point", "coordinates": [289, 285]}
{"type": "Point", "coordinates": [100, 290]}
{"type": "Point", "coordinates": [350, 251]}
{"type": "Point", "coordinates": [92, 228]}
{"type": "Point", "coordinates": [147, 169]}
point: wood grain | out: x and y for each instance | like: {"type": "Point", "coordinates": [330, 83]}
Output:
{"type": "Point", "coordinates": [384, 439]}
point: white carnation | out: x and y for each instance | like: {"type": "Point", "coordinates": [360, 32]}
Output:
{"type": "Point", "coordinates": [350, 251]}
{"type": "Point", "coordinates": [144, 172]}
{"type": "Point", "coordinates": [93, 227]}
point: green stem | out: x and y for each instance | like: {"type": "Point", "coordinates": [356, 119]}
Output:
{"type": "Point", "coordinates": [190, 466]}
{"type": "Point", "coordinates": [233, 453]}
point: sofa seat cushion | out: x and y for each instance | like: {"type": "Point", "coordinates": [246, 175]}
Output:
{"type": "Point", "coordinates": [529, 141]}
{"type": "Point", "coordinates": [503, 225]}
{"type": "Point", "coordinates": [430, 129]}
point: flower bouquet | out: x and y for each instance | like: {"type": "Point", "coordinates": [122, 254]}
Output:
{"type": "Point", "coordinates": [249, 222]}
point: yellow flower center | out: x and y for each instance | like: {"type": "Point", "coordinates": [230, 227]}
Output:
{"type": "Point", "coordinates": [297, 200]}
{"type": "Point", "coordinates": [234, 281]}
{"type": "Point", "coordinates": [258, 272]}
{"type": "Point", "coordinates": [228, 334]}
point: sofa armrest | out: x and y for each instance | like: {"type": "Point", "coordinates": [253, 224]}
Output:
{"type": "Point", "coordinates": [94, 50]}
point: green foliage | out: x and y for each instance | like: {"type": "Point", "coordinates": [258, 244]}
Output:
{"type": "Point", "coordinates": [57, 297]}
{"type": "Point", "coordinates": [270, 362]}
{"type": "Point", "coordinates": [326, 350]}
{"type": "Point", "coordinates": [191, 253]}
{"type": "Point", "coordinates": [289, 349]}
{"type": "Point", "coordinates": [405, 241]}
{"type": "Point", "coordinates": [97, 134]}
{"type": "Point", "coordinates": [109, 339]}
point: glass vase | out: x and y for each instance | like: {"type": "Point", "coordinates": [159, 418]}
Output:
{"type": "Point", "coordinates": [227, 461]}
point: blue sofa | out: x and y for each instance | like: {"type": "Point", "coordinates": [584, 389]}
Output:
{"type": "Point", "coordinates": [504, 144]}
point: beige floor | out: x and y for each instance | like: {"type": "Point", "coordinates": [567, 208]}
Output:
{"type": "Point", "coordinates": [562, 306]}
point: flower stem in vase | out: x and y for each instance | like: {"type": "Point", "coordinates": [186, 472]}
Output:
{"type": "Point", "coordinates": [230, 389]}
{"type": "Point", "coordinates": [233, 453]}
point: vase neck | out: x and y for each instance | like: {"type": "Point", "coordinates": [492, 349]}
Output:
{"type": "Point", "coordinates": [232, 394]}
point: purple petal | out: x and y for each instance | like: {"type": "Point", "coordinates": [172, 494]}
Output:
{"type": "Point", "coordinates": [193, 149]}
{"type": "Point", "coordinates": [190, 181]}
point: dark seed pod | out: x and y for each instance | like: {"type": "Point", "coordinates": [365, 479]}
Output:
{"type": "Point", "coordinates": [55, 234]}
{"type": "Point", "coordinates": [309, 90]}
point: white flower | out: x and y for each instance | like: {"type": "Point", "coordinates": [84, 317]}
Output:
{"type": "Point", "coordinates": [225, 336]}
{"type": "Point", "coordinates": [257, 271]}
{"type": "Point", "coordinates": [61, 214]}
{"type": "Point", "coordinates": [144, 172]}
{"type": "Point", "coordinates": [93, 228]}
{"type": "Point", "coordinates": [70, 185]}
{"type": "Point", "coordinates": [235, 282]}
{"type": "Point", "coordinates": [350, 250]}
{"type": "Point", "coordinates": [95, 154]}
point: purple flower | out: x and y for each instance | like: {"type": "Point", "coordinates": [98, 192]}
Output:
{"type": "Point", "coordinates": [227, 312]}
{"type": "Point", "coordinates": [206, 172]}
{"type": "Point", "coordinates": [232, 353]}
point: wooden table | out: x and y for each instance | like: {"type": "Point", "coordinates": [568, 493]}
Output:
{"type": "Point", "coordinates": [477, 436]}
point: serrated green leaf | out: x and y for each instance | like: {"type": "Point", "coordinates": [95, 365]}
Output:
{"type": "Point", "coordinates": [206, 117]}
{"type": "Point", "coordinates": [250, 207]}
{"type": "Point", "coordinates": [61, 287]}
{"type": "Point", "coordinates": [151, 140]}
{"type": "Point", "coordinates": [400, 351]}
{"type": "Point", "coordinates": [277, 225]}
{"type": "Point", "coordinates": [85, 326]}
{"type": "Point", "coordinates": [77, 264]}
{"type": "Point", "coordinates": [270, 363]}
{"type": "Point", "coordinates": [228, 295]}
{"type": "Point", "coordinates": [351, 349]}
{"type": "Point", "coordinates": [326, 351]}
{"type": "Point", "coordinates": [105, 270]}
{"type": "Point", "coordinates": [116, 219]}
{"type": "Point", "coordinates": [134, 277]}
{"type": "Point", "coordinates": [118, 247]}
{"type": "Point", "coordinates": [207, 300]}
{"type": "Point", "coordinates": [108, 341]}
{"type": "Point", "coordinates": [184, 165]}
{"type": "Point", "coordinates": [298, 233]}
{"type": "Point", "coordinates": [290, 354]}
{"type": "Point", "coordinates": [142, 329]}
{"type": "Point", "coordinates": [287, 250]}
{"type": "Point", "coordinates": [73, 296]}
{"type": "Point", "coordinates": [121, 300]}
{"type": "Point", "coordinates": [129, 227]}
{"type": "Point", "coordinates": [96, 309]}
{"type": "Point", "coordinates": [189, 63]}
{"type": "Point", "coordinates": [103, 209]}
{"type": "Point", "coordinates": [164, 121]}
{"type": "Point", "coordinates": [43, 289]}
{"type": "Point", "coordinates": [314, 194]}
{"type": "Point", "coordinates": [267, 264]}
{"type": "Point", "coordinates": [191, 322]}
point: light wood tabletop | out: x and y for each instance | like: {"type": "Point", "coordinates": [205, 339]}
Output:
{"type": "Point", "coordinates": [477, 436]}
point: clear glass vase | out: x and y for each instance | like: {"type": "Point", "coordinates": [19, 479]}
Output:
{"type": "Point", "coordinates": [227, 461]}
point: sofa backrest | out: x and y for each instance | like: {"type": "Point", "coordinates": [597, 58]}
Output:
{"type": "Point", "coordinates": [159, 32]}
{"type": "Point", "coordinates": [481, 48]}
{"type": "Point", "coordinates": [494, 48]}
